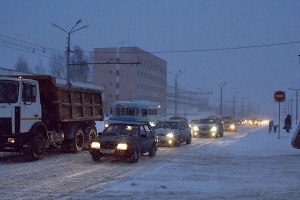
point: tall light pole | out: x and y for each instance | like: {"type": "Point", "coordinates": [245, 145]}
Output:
{"type": "Point", "coordinates": [68, 47]}
{"type": "Point", "coordinates": [233, 105]}
{"type": "Point", "coordinates": [176, 87]}
{"type": "Point", "coordinates": [221, 100]}
{"type": "Point", "coordinates": [296, 103]}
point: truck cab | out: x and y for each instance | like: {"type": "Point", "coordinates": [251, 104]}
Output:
{"type": "Point", "coordinates": [20, 109]}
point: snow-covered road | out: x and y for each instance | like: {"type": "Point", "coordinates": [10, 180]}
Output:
{"type": "Point", "coordinates": [248, 164]}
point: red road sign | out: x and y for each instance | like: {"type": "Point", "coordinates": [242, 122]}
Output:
{"type": "Point", "coordinates": [279, 96]}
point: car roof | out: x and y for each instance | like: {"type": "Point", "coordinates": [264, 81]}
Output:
{"type": "Point", "coordinates": [172, 120]}
{"type": "Point", "coordinates": [129, 123]}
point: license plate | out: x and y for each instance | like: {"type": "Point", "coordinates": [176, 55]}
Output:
{"type": "Point", "coordinates": [107, 151]}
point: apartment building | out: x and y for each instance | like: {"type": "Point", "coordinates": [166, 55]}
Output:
{"type": "Point", "coordinates": [130, 73]}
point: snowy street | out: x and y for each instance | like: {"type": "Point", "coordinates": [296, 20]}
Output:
{"type": "Point", "coordinates": [248, 164]}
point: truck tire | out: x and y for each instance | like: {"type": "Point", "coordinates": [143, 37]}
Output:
{"type": "Point", "coordinates": [37, 148]}
{"type": "Point", "coordinates": [90, 133]}
{"type": "Point", "coordinates": [76, 144]}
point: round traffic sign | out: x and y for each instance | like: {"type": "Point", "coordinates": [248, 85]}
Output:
{"type": "Point", "coordinates": [279, 96]}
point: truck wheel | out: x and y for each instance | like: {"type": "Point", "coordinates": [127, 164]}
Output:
{"type": "Point", "coordinates": [76, 144]}
{"type": "Point", "coordinates": [37, 148]}
{"type": "Point", "coordinates": [90, 134]}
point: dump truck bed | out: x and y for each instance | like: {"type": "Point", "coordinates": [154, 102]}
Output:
{"type": "Point", "coordinates": [61, 103]}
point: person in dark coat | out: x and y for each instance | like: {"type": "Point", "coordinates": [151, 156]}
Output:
{"type": "Point", "coordinates": [288, 123]}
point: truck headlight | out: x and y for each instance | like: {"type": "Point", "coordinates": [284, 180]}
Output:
{"type": "Point", "coordinates": [122, 146]}
{"type": "Point", "coordinates": [170, 135]}
{"type": "Point", "coordinates": [213, 129]}
{"type": "Point", "coordinates": [95, 145]}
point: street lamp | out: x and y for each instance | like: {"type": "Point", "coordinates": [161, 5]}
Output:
{"type": "Point", "coordinates": [221, 100]}
{"type": "Point", "coordinates": [176, 89]}
{"type": "Point", "coordinates": [68, 48]}
{"type": "Point", "coordinates": [233, 105]}
{"type": "Point", "coordinates": [296, 103]}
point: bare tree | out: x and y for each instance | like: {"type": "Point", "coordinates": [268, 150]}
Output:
{"type": "Point", "coordinates": [79, 69]}
{"type": "Point", "coordinates": [57, 65]}
{"type": "Point", "coordinates": [39, 69]}
{"type": "Point", "coordinates": [22, 65]}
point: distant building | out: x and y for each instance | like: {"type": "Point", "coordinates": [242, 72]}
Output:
{"type": "Point", "coordinates": [130, 73]}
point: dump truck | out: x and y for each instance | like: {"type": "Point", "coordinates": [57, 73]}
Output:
{"type": "Point", "coordinates": [36, 113]}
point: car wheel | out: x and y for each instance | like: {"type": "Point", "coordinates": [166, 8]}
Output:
{"type": "Point", "coordinates": [96, 157]}
{"type": "Point", "coordinates": [221, 134]}
{"type": "Point", "coordinates": [152, 151]}
{"type": "Point", "coordinates": [178, 142]}
{"type": "Point", "coordinates": [134, 156]}
{"type": "Point", "coordinates": [189, 141]}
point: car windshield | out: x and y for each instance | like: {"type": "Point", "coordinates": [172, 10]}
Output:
{"type": "Point", "coordinates": [9, 91]}
{"type": "Point", "coordinates": [122, 129]}
{"type": "Point", "coordinates": [228, 122]}
{"type": "Point", "coordinates": [204, 121]}
{"type": "Point", "coordinates": [170, 125]}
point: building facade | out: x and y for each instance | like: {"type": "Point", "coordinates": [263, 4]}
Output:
{"type": "Point", "coordinates": [130, 73]}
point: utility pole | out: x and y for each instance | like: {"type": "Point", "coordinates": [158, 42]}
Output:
{"type": "Point", "coordinates": [176, 88]}
{"type": "Point", "coordinates": [296, 103]}
{"type": "Point", "coordinates": [221, 100]}
{"type": "Point", "coordinates": [68, 47]}
{"type": "Point", "coordinates": [233, 105]}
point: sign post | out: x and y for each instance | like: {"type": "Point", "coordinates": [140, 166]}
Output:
{"type": "Point", "coordinates": [279, 96]}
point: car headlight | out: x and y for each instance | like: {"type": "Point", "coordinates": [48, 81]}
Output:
{"type": "Point", "coordinates": [106, 124]}
{"type": "Point", "coordinates": [195, 128]}
{"type": "Point", "coordinates": [213, 129]}
{"type": "Point", "coordinates": [213, 134]}
{"type": "Point", "coordinates": [170, 135]}
{"type": "Point", "coordinates": [232, 126]}
{"type": "Point", "coordinates": [122, 146]}
{"type": "Point", "coordinates": [152, 123]}
{"type": "Point", "coordinates": [95, 145]}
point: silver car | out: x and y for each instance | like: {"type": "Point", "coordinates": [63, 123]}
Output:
{"type": "Point", "coordinates": [207, 128]}
{"type": "Point", "coordinates": [173, 132]}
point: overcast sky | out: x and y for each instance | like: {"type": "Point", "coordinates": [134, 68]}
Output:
{"type": "Point", "coordinates": [210, 40]}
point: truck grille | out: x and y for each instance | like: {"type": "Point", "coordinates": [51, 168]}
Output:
{"type": "Point", "coordinates": [5, 126]}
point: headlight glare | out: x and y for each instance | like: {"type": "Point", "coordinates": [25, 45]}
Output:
{"type": "Point", "coordinates": [170, 135]}
{"type": "Point", "coordinates": [195, 128]}
{"type": "Point", "coordinates": [95, 145]}
{"type": "Point", "coordinates": [213, 129]}
{"type": "Point", "coordinates": [122, 146]}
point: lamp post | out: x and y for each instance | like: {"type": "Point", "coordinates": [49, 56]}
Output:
{"type": "Point", "coordinates": [68, 47]}
{"type": "Point", "coordinates": [233, 105]}
{"type": "Point", "coordinates": [221, 100]}
{"type": "Point", "coordinates": [176, 87]}
{"type": "Point", "coordinates": [296, 103]}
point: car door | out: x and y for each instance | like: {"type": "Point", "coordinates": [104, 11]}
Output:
{"type": "Point", "coordinates": [143, 140]}
{"type": "Point", "coordinates": [188, 130]}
